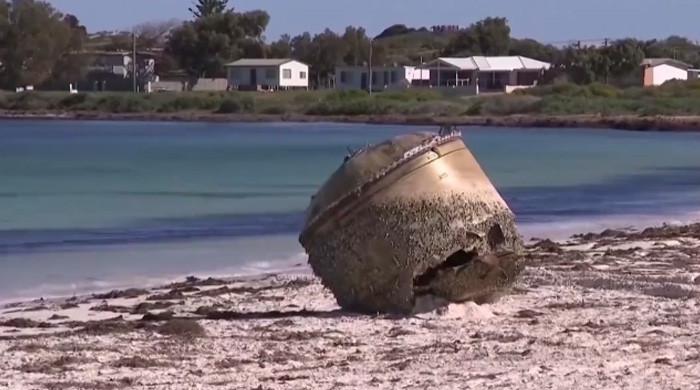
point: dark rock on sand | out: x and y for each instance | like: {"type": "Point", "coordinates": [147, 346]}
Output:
{"type": "Point", "coordinates": [163, 316]}
{"type": "Point", "coordinates": [25, 323]}
{"type": "Point", "coordinates": [128, 293]}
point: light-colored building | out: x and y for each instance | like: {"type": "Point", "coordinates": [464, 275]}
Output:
{"type": "Point", "coordinates": [267, 74]}
{"type": "Point", "coordinates": [486, 74]}
{"type": "Point", "coordinates": [396, 77]}
{"type": "Point", "coordinates": [656, 71]}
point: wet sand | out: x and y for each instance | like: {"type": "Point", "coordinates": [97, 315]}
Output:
{"type": "Point", "coordinates": [620, 309]}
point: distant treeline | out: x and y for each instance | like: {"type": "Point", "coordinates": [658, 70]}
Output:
{"type": "Point", "coordinates": [40, 46]}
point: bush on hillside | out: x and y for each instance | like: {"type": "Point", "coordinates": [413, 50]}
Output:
{"type": "Point", "coordinates": [73, 100]}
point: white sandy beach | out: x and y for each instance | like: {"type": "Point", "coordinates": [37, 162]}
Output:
{"type": "Point", "coordinates": [611, 311]}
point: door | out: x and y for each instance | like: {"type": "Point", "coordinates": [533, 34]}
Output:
{"type": "Point", "coordinates": [253, 77]}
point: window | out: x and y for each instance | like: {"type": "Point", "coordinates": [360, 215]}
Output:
{"type": "Point", "coordinates": [386, 77]}
{"type": "Point", "coordinates": [302, 75]}
{"type": "Point", "coordinates": [269, 74]}
{"type": "Point", "coordinates": [394, 77]}
{"type": "Point", "coordinates": [343, 76]}
{"type": "Point", "coordinates": [286, 73]}
{"type": "Point", "coordinates": [375, 77]}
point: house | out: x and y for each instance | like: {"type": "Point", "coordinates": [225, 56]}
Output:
{"type": "Point", "coordinates": [113, 70]}
{"type": "Point", "coordinates": [396, 77]}
{"type": "Point", "coordinates": [486, 74]}
{"type": "Point", "coordinates": [656, 71]}
{"type": "Point", "coordinates": [267, 74]}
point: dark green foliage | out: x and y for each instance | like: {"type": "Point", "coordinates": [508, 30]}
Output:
{"type": "Point", "coordinates": [229, 106]}
{"type": "Point", "coordinates": [489, 37]}
{"type": "Point", "coordinates": [235, 104]}
{"type": "Point", "coordinates": [72, 101]}
{"type": "Point", "coordinates": [509, 105]}
{"type": "Point", "coordinates": [36, 43]}
{"type": "Point", "coordinates": [203, 46]}
{"type": "Point", "coordinates": [204, 8]}
{"type": "Point", "coordinates": [125, 103]}
{"type": "Point", "coordinates": [26, 101]}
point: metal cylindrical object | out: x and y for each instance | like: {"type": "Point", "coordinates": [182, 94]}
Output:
{"type": "Point", "coordinates": [413, 216]}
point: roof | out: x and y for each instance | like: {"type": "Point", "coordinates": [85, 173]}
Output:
{"type": "Point", "coordinates": [260, 62]}
{"type": "Point", "coordinates": [652, 62]}
{"type": "Point", "coordinates": [494, 64]}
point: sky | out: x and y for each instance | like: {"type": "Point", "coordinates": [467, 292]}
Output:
{"type": "Point", "coordinates": [551, 21]}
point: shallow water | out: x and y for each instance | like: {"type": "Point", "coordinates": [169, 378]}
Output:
{"type": "Point", "coordinates": [90, 205]}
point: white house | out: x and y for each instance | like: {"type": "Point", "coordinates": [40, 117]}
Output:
{"type": "Point", "coordinates": [396, 77]}
{"type": "Point", "coordinates": [486, 74]}
{"type": "Point", "coordinates": [656, 71]}
{"type": "Point", "coordinates": [267, 74]}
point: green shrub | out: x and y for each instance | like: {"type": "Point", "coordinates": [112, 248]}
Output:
{"type": "Point", "coordinates": [356, 106]}
{"type": "Point", "coordinates": [275, 110]}
{"type": "Point", "coordinates": [509, 105]}
{"type": "Point", "coordinates": [475, 108]}
{"type": "Point", "coordinates": [189, 102]}
{"type": "Point", "coordinates": [73, 100]}
{"type": "Point", "coordinates": [229, 106]}
{"type": "Point", "coordinates": [603, 90]}
{"type": "Point", "coordinates": [125, 103]}
{"type": "Point", "coordinates": [247, 103]}
{"type": "Point", "coordinates": [410, 95]}
{"type": "Point", "coordinates": [27, 101]}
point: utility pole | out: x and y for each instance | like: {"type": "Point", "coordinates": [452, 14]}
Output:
{"type": "Point", "coordinates": [371, 42]}
{"type": "Point", "coordinates": [13, 11]}
{"type": "Point", "coordinates": [133, 60]}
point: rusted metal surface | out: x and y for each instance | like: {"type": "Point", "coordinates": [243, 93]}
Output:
{"type": "Point", "coordinates": [409, 218]}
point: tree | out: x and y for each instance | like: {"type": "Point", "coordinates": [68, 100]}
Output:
{"type": "Point", "coordinates": [34, 37]}
{"type": "Point", "coordinates": [624, 57]}
{"type": "Point", "coordinates": [281, 48]}
{"type": "Point", "coordinates": [203, 46]}
{"type": "Point", "coordinates": [489, 37]}
{"type": "Point", "coordinates": [328, 49]}
{"type": "Point", "coordinates": [205, 8]}
{"type": "Point", "coordinates": [534, 49]}
{"type": "Point", "coordinates": [153, 34]}
{"type": "Point", "coordinates": [302, 48]}
{"type": "Point", "coordinates": [356, 43]}
{"type": "Point", "coordinates": [71, 65]}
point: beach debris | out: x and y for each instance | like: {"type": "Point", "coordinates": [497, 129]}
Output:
{"type": "Point", "coordinates": [411, 218]}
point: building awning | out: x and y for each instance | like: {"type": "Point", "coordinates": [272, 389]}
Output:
{"type": "Point", "coordinates": [262, 62]}
{"type": "Point", "coordinates": [489, 64]}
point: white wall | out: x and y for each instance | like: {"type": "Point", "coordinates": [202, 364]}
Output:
{"type": "Point", "coordinates": [271, 76]}
{"type": "Point", "coordinates": [663, 73]}
{"type": "Point", "coordinates": [383, 77]}
{"type": "Point", "coordinates": [299, 75]}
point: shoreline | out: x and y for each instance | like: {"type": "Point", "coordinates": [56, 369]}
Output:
{"type": "Point", "coordinates": [624, 122]}
{"type": "Point", "coordinates": [615, 309]}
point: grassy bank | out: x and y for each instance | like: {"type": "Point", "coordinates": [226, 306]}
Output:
{"type": "Point", "coordinates": [416, 105]}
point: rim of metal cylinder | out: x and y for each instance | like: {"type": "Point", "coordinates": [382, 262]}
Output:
{"type": "Point", "coordinates": [410, 155]}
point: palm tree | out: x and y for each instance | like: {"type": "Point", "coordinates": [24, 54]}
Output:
{"type": "Point", "coordinates": [204, 8]}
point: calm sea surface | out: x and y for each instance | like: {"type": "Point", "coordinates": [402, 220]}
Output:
{"type": "Point", "coordinates": [86, 206]}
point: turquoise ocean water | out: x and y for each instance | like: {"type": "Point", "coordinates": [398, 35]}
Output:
{"type": "Point", "coordinates": [87, 206]}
